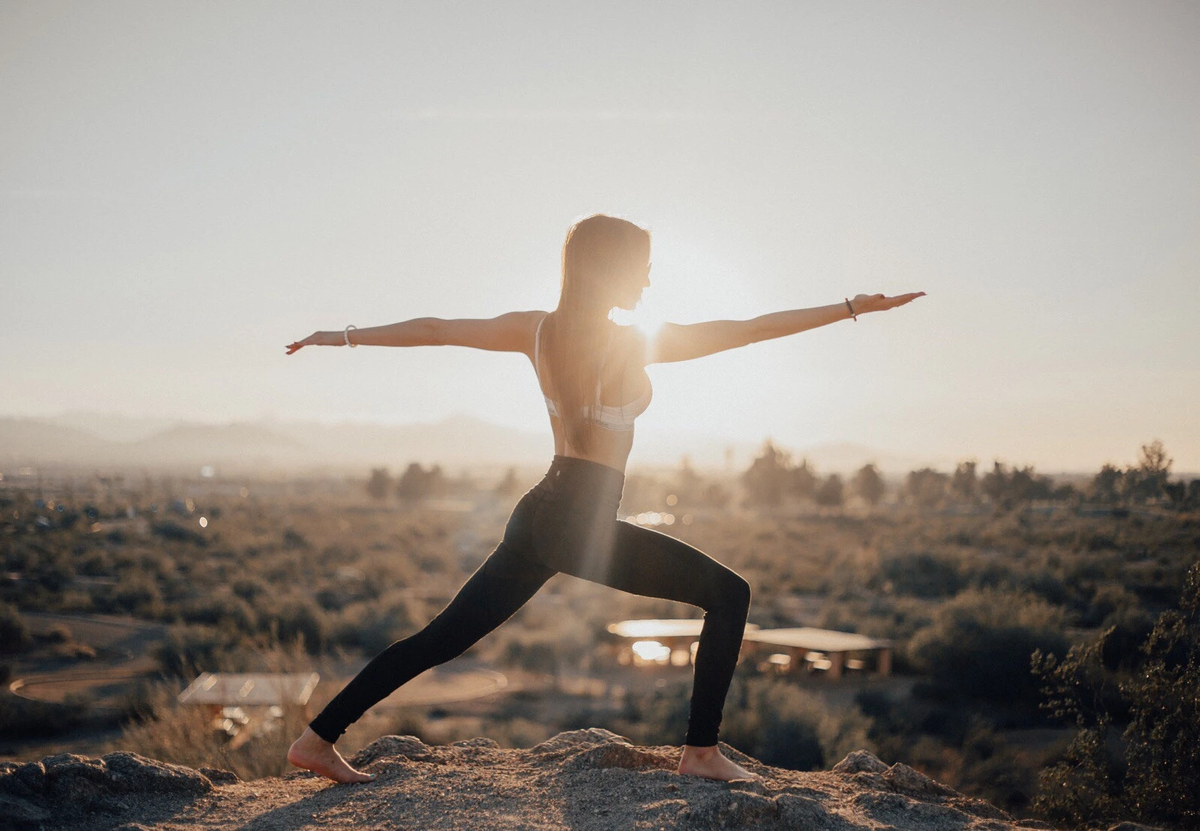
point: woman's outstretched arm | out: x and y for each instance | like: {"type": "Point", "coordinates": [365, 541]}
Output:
{"type": "Point", "coordinates": [675, 342]}
{"type": "Point", "coordinates": [512, 332]}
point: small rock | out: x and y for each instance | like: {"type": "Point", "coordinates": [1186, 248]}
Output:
{"type": "Point", "coordinates": [985, 810]}
{"type": "Point", "coordinates": [409, 747]}
{"type": "Point", "coordinates": [477, 742]}
{"type": "Point", "coordinates": [860, 761]}
{"type": "Point", "coordinates": [28, 779]}
{"type": "Point", "coordinates": [572, 740]}
{"type": "Point", "coordinates": [801, 812]}
{"type": "Point", "coordinates": [906, 780]}
{"type": "Point", "coordinates": [221, 777]}
{"type": "Point", "coordinates": [732, 811]}
{"type": "Point", "coordinates": [616, 756]}
{"type": "Point", "coordinates": [131, 773]}
{"type": "Point", "coordinates": [747, 786]}
{"type": "Point", "coordinates": [872, 781]}
{"type": "Point", "coordinates": [76, 780]}
{"type": "Point", "coordinates": [898, 810]}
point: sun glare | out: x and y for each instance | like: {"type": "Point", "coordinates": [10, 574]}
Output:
{"type": "Point", "coordinates": [646, 320]}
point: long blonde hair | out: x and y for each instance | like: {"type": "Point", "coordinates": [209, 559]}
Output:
{"type": "Point", "coordinates": [600, 254]}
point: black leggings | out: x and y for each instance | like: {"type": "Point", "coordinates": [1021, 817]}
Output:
{"type": "Point", "coordinates": [568, 523]}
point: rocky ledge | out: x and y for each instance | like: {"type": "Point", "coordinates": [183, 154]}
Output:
{"type": "Point", "coordinates": [583, 779]}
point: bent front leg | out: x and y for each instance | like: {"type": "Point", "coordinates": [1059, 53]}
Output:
{"type": "Point", "coordinates": [653, 564]}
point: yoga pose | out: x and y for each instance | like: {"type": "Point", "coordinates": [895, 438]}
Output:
{"type": "Point", "coordinates": [592, 373]}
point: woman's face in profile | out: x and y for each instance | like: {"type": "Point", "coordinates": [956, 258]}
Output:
{"type": "Point", "coordinates": [637, 281]}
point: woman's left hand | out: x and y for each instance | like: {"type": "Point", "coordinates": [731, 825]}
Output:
{"type": "Point", "coordinates": [315, 339]}
{"type": "Point", "coordinates": [864, 303]}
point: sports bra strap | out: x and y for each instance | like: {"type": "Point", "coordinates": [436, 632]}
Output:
{"type": "Point", "coordinates": [537, 336]}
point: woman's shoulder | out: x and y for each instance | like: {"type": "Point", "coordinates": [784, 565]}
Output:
{"type": "Point", "coordinates": [630, 341]}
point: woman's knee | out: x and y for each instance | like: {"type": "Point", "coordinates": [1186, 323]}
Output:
{"type": "Point", "coordinates": [729, 591]}
{"type": "Point", "coordinates": [739, 591]}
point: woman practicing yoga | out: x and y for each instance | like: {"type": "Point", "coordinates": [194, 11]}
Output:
{"type": "Point", "coordinates": [568, 522]}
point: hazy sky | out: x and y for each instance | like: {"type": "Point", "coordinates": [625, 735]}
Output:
{"type": "Point", "coordinates": [187, 187]}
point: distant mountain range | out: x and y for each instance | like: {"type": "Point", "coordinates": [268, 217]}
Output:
{"type": "Point", "coordinates": [103, 439]}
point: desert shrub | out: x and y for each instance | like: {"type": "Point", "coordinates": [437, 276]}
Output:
{"type": "Point", "coordinates": [979, 645]}
{"type": "Point", "coordinates": [1157, 776]}
{"type": "Point", "coordinates": [301, 621]}
{"type": "Point", "coordinates": [190, 650]}
{"type": "Point", "coordinates": [26, 718]}
{"type": "Point", "coordinates": [548, 651]}
{"type": "Point", "coordinates": [14, 634]}
{"type": "Point", "coordinates": [784, 725]}
{"type": "Point", "coordinates": [922, 575]}
{"type": "Point", "coordinates": [185, 735]}
{"type": "Point", "coordinates": [215, 611]}
{"type": "Point", "coordinates": [373, 627]}
{"type": "Point", "coordinates": [174, 532]}
{"type": "Point", "coordinates": [1107, 601]}
{"type": "Point", "coordinates": [136, 593]}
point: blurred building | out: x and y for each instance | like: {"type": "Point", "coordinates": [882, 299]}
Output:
{"type": "Point", "coordinates": [804, 649]}
{"type": "Point", "coordinates": [779, 651]}
{"type": "Point", "coordinates": [243, 705]}
{"type": "Point", "coordinates": [659, 642]}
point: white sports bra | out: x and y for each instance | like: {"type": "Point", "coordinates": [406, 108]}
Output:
{"type": "Point", "coordinates": [602, 415]}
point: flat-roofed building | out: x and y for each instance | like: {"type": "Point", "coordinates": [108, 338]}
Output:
{"type": "Point", "coordinates": [673, 642]}
{"type": "Point", "coordinates": [824, 650]}
{"type": "Point", "coordinates": [659, 642]}
{"type": "Point", "coordinates": [244, 703]}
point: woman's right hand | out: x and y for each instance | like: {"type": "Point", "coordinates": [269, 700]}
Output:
{"type": "Point", "coordinates": [315, 339]}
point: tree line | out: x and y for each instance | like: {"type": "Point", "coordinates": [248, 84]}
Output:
{"type": "Point", "coordinates": [773, 478]}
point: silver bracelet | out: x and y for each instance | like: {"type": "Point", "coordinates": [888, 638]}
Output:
{"type": "Point", "coordinates": [346, 333]}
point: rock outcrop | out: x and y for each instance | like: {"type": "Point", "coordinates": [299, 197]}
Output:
{"type": "Point", "coordinates": [583, 779]}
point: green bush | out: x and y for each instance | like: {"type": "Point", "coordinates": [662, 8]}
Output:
{"type": "Point", "coordinates": [1157, 777]}
{"type": "Point", "coordinates": [14, 634]}
{"type": "Point", "coordinates": [979, 646]}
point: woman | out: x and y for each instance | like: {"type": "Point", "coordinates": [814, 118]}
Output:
{"type": "Point", "coordinates": [567, 522]}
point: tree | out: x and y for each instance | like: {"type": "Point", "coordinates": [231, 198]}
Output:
{"type": "Point", "coordinates": [926, 487]}
{"type": "Point", "coordinates": [379, 484]}
{"type": "Point", "coordinates": [995, 482]}
{"type": "Point", "coordinates": [689, 486]}
{"type": "Point", "coordinates": [1149, 479]}
{"type": "Point", "coordinates": [1106, 485]}
{"type": "Point", "coordinates": [1158, 780]}
{"type": "Point", "coordinates": [964, 484]}
{"type": "Point", "coordinates": [979, 644]}
{"type": "Point", "coordinates": [766, 479]}
{"type": "Point", "coordinates": [831, 493]}
{"type": "Point", "coordinates": [418, 483]}
{"type": "Point", "coordinates": [802, 480]}
{"type": "Point", "coordinates": [509, 485]}
{"type": "Point", "coordinates": [14, 634]}
{"type": "Point", "coordinates": [868, 484]}
{"type": "Point", "coordinates": [1163, 737]}
{"type": "Point", "coordinates": [1025, 485]}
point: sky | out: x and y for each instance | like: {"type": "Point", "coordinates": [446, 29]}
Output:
{"type": "Point", "coordinates": [186, 188]}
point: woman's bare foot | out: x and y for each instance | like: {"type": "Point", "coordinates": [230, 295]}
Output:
{"type": "Point", "coordinates": [311, 752]}
{"type": "Point", "coordinates": [709, 763]}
